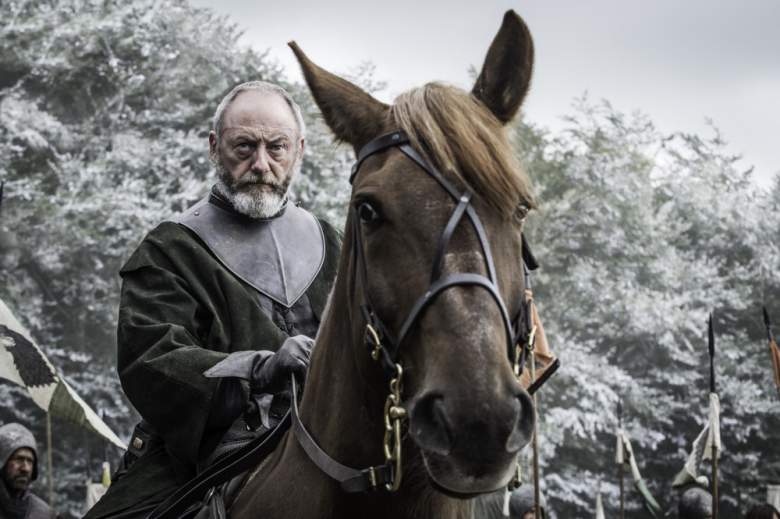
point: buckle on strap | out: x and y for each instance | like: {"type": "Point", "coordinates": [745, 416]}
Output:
{"type": "Point", "coordinates": [372, 479]}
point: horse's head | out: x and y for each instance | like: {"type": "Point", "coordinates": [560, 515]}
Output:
{"type": "Point", "coordinates": [441, 296]}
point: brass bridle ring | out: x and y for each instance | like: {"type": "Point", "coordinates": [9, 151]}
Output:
{"type": "Point", "coordinates": [372, 337]}
{"type": "Point", "coordinates": [394, 414]}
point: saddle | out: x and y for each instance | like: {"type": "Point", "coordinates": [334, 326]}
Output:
{"type": "Point", "coordinates": [245, 444]}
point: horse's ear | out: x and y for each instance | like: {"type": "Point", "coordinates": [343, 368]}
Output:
{"type": "Point", "coordinates": [353, 115]}
{"type": "Point", "coordinates": [506, 74]}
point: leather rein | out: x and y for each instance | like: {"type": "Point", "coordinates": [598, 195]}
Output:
{"type": "Point", "coordinates": [384, 347]}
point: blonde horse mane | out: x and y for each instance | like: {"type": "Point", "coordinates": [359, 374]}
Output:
{"type": "Point", "coordinates": [457, 133]}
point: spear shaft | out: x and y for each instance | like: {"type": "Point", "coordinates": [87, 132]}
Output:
{"type": "Point", "coordinates": [621, 469]}
{"type": "Point", "coordinates": [537, 492]}
{"type": "Point", "coordinates": [49, 460]}
{"type": "Point", "coordinates": [532, 367]}
{"type": "Point", "coordinates": [771, 338]}
{"type": "Point", "coordinates": [714, 482]}
{"type": "Point", "coordinates": [768, 325]}
{"type": "Point", "coordinates": [711, 346]}
{"type": "Point", "coordinates": [622, 464]}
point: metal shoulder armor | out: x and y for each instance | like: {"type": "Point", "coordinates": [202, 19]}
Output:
{"type": "Point", "coordinates": [280, 257]}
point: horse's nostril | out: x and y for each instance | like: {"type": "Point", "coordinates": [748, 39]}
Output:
{"type": "Point", "coordinates": [525, 416]}
{"type": "Point", "coordinates": [429, 424]}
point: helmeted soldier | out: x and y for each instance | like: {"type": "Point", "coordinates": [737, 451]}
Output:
{"type": "Point", "coordinates": [233, 288]}
{"type": "Point", "coordinates": [695, 503]}
{"type": "Point", "coordinates": [521, 503]}
{"type": "Point", "coordinates": [19, 455]}
{"type": "Point", "coordinates": [763, 511]}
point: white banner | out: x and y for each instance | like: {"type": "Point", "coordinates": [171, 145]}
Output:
{"type": "Point", "coordinates": [620, 456]}
{"type": "Point", "coordinates": [23, 363]}
{"type": "Point", "coordinates": [713, 437]}
{"type": "Point", "coordinates": [773, 495]}
{"type": "Point", "coordinates": [631, 459]}
{"type": "Point", "coordinates": [599, 507]}
{"type": "Point", "coordinates": [690, 471]}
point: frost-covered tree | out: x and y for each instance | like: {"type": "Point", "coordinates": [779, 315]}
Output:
{"type": "Point", "coordinates": [640, 236]}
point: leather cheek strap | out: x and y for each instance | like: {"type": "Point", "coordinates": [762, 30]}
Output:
{"type": "Point", "coordinates": [449, 188]}
{"type": "Point", "coordinates": [446, 236]}
{"type": "Point", "coordinates": [454, 280]}
{"type": "Point", "coordinates": [350, 479]}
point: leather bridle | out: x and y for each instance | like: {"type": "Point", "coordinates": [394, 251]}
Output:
{"type": "Point", "coordinates": [385, 347]}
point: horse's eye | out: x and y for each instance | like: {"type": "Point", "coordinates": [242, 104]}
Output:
{"type": "Point", "coordinates": [367, 213]}
{"type": "Point", "coordinates": [521, 212]}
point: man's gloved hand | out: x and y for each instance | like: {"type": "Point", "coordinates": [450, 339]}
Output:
{"type": "Point", "coordinates": [273, 374]}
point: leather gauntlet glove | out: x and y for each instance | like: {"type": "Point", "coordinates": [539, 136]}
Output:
{"type": "Point", "coordinates": [272, 374]}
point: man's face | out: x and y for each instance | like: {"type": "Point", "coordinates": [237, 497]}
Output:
{"type": "Point", "coordinates": [528, 515]}
{"type": "Point", "coordinates": [259, 149]}
{"type": "Point", "coordinates": [19, 468]}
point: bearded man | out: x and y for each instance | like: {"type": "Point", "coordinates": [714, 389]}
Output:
{"type": "Point", "coordinates": [233, 288]}
{"type": "Point", "coordinates": [19, 456]}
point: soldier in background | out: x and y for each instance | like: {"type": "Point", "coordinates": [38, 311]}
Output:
{"type": "Point", "coordinates": [521, 504]}
{"type": "Point", "coordinates": [20, 468]}
{"type": "Point", "coordinates": [695, 503]}
{"type": "Point", "coordinates": [764, 511]}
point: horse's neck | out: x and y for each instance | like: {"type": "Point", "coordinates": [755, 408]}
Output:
{"type": "Point", "coordinates": [342, 405]}
{"type": "Point", "coordinates": [342, 408]}
{"type": "Point", "coordinates": [335, 410]}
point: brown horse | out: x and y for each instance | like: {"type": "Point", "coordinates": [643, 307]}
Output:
{"type": "Point", "coordinates": [468, 416]}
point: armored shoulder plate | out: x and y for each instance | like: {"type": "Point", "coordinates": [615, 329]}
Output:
{"type": "Point", "coordinates": [280, 257]}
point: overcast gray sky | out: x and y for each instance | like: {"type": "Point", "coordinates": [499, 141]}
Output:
{"type": "Point", "coordinates": [680, 62]}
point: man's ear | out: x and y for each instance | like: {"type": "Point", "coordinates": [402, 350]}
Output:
{"type": "Point", "coordinates": [506, 75]}
{"type": "Point", "coordinates": [212, 145]}
{"type": "Point", "coordinates": [353, 115]}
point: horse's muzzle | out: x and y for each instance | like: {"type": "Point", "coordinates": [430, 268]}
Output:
{"type": "Point", "coordinates": [470, 443]}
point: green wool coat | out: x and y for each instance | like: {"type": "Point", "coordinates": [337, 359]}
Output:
{"type": "Point", "coordinates": [181, 312]}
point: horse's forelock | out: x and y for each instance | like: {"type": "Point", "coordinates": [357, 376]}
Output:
{"type": "Point", "coordinates": [457, 133]}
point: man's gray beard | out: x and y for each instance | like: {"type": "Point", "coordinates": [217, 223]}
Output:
{"type": "Point", "coordinates": [254, 204]}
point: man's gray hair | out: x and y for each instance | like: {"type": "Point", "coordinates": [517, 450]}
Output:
{"type": "Point", "coordinates": [260, 86]}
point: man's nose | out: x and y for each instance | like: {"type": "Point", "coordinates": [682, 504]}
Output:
{"type": "Point", "coordinates": [260, 162]}
{"type": "Point", "coordinates": [26, 466]}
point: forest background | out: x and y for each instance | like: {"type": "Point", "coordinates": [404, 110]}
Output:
{"type": "Point", "coordinates": [104, 112]}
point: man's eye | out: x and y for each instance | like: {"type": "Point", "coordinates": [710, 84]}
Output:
{"type": "Point", "coordinates": [277, 146]}
{"type": "Point", "coordinates": [368, 214]}
{"type": "Point", "coordinates": [243, 147]}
